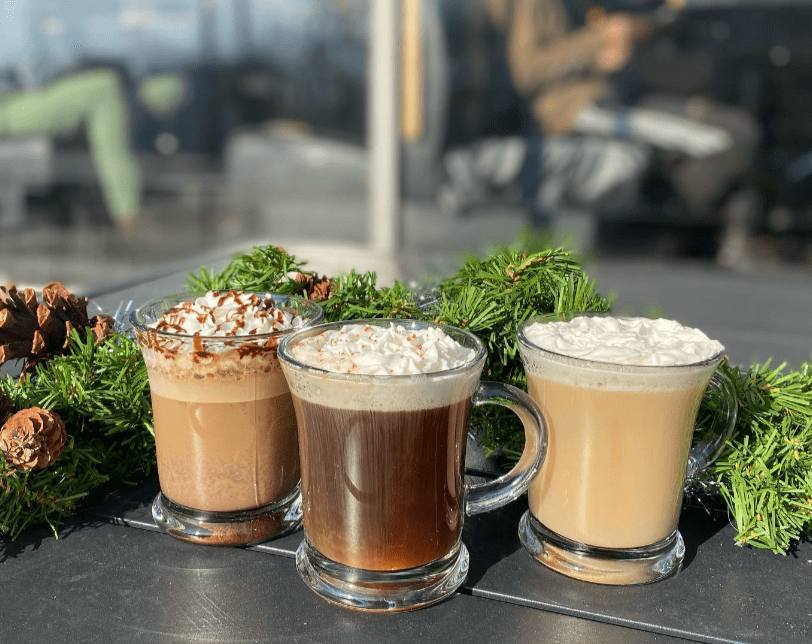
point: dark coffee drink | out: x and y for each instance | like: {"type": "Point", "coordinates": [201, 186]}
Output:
{"type": "Point", "coordinates": [382, 408]}
{"type": "Point", "coordinates": [382, 490]}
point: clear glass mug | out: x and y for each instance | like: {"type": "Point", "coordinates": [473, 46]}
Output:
{"type": "Point", "coordinates": [225, 431]}
{"type": "Point", "coordinates": [606, 503]}
{"type": "Point", "coordinates": [383, 466]}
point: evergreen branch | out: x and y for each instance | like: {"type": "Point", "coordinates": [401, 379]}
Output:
{"type": "Point", "coordinates": [764, 473]}
{"type": "Point", "coordinates": [264, 268]}
{"type": "Point", "coordinates": [101, 392]}
{"type": "Point", "coordinates": [492, 298]}
{"type": "Point", "coordinates": [356, 295]}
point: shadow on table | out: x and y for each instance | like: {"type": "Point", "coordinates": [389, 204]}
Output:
{"type": "Point", "coordinates": [491, 537]}
{"type": "Point", "coordinates": [797, 545]}
{"type": "Point", "coordinates": [114, 503]}
{"type": "Point", "coordinates": [32, 538]}
{"type": "Point", "coordinates": [126, 505]}
{"type": "Point", "coordinates": [700, 523]}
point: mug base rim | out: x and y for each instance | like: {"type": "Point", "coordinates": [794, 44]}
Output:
{"type": "Point", "coordinates": [382, 591]}
{"type": "Point", "coordinates": [608, 566]}
{"type": "Point", "coordinates": [237, 528]}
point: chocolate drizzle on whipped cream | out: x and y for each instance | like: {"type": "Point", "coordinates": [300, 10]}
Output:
{"type": "Point", "coordinates": [218, 320]}
{"type": "Point", "coordinates": [233, 313]}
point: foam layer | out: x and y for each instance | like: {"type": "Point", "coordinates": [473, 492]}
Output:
{"type": "Point", "coordinates": [557, 362]}
{"type": "Point", "coordinates": [221, 377]}
{"type": "Point", "coordinates": [227, 314]}
{"type": "Point", "coordinates": [363, 362]}
{"type": "Point", "coordinates": [626, 341]}
{"type": "Point", "coordinates": [383, 351]}
{"type": "Point", "coordinates": [220, 347]}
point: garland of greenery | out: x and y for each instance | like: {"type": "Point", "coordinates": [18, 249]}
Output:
{"type": "Point", "coordinates": [764, 474]}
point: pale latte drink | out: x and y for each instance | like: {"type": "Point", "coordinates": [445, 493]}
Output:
{"type": "Point", "coordinates": [621, 397]}
{"type": "Point", "coordinates": [225, 430]}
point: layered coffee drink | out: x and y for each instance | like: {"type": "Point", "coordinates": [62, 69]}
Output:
{"type": "Point", "coordinates": [383, 408]}
{"type": "Point", "coordinates": [230, 448]}
{"type": "Point", "coordinates": [620, 397]}
{"type": "Point", "coordinates": [225, 429]}
{"type": "Point", "coordinates": [382, 447]}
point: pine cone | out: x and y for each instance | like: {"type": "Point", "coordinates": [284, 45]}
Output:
{"type": "Point", "coordinates": [103, 327]}
{"type": "Point", "coordinates": [32, 438]}
{"type": "Point", "coordinates": [316, 288]}
{"type": "Point", "coordinates": [37, 331]}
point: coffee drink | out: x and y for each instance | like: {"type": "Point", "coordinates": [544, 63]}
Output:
{"type": "Point", "coordinates": [383, 408]}
{"type": "Point", "coordinates": [225, 430]}
{"type": "Point", "coordinates": [620, 396]}
{"type": "Point", "coordinates": [396, 476]}
{"type": "Point", "coordinates": [253, 463]}
{"type": "Point", "coordinates": [628, 472]}
{"type": "Point", "coordinates": [382, 468]}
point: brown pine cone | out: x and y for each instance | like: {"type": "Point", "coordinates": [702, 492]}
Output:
{"type": "Point", "coordinates": [36, 331]}
{"type": "Point", "coordinates": [18, 324]}
{"type": "Point", "coordinates": [316, 288]}
{"type": "Point", "coordinates": [32, 438]}
{"type": "Point", "coordinates": [103, 326]}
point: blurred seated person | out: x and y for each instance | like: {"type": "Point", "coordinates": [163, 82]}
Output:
{"type": "Point", "coordinates": [592, 150]}
{"type": "Point", "coordinates": [94, 100]}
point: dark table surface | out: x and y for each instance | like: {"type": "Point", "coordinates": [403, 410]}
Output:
{"type": "Point", "coordinates": [113, 577]}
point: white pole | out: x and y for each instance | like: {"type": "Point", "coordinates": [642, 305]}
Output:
{"type": "Point", "coordinates": [382, 127]}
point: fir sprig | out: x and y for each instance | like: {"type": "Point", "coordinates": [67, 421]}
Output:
{"type": "Point", "coordinates": [357, 295]}
{"type": "Point", "coordinates": [29, 498]}
{"type": "Point", "coordinates": [765, 471]}
{"type": "Point", "coordinates": [492, 298]}
{"type": "Point", "coordinates": [264, 268]}
{"type": "Point", "coordinates": [101, 392]}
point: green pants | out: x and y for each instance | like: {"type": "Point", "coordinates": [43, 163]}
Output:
{"type": "Point", "coordinates": [93, 99]}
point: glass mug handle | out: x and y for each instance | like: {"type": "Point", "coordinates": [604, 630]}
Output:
{"type": "Point", "coordinates": [705, 452]}
{"type": "Point", "coordinates": [481, 497]}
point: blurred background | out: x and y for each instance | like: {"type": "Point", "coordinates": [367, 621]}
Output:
{"type": "Point", "coordinates": [138, 133]}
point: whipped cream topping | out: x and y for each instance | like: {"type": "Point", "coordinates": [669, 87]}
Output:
{"type": "Point", "coordinates": [380, 350]}
{"type": "Point", "coordinates": [625, 341]}
{"type": "Point", "coordinates": [227, 314]}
